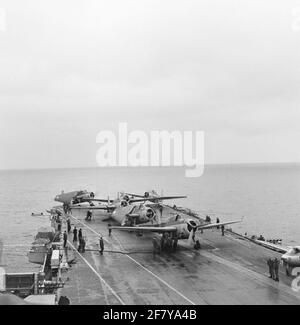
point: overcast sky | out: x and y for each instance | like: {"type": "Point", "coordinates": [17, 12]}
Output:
{"type": "Point", "coordinates": [69, 69]}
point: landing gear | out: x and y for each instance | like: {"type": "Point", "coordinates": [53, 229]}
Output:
{"type": "Point", "coordinates": [166, 244]}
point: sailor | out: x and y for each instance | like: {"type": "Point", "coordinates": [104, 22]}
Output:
{"type": "Point", "coordinates": [109, 230]}
{"type": "Point", "coordinates": [80, 235]}
{"type": "Point", "coordinates": [69, 225]}
{"type": "Point", "coordinates": [223, 230]}
{"type": "Point", "coordinates": [270, 265]}
{"type": "Point", "coordinates": [75, 235]}
{"type": "Point", "coordinates": [83, 243]}
{"type": "Point", "coordinates": [218, 221]}
{"type": "Point", "coordinates": [87, 215]}
{"type": "Point", "coordinates": [101, 245]}
{"type": "Point", "coordinates": [276, 269]}
{"type": "Point", "coordinates": [65, 239]}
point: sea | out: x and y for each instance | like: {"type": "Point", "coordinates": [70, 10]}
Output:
{"type": "Point", "coordinates": [266, 195]}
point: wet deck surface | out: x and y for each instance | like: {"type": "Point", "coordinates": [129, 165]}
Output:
{"type": "Point", "coordinates": [227, 270]}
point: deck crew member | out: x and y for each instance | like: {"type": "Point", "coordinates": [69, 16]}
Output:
{"type": "Point", "coordinates": [89, 215]}
{"type": "Point", "coordinates": [270, 265]}
{"type": "Point", "coordinates": [80, 235]}
{"type": "Point", "coordinates": [223, 230]}
{"type": "Point", "coordinates": [218, 221]}
{"type": "Point", "coordinates": [82, 245]}
{"type": "Point", "coordinates": [101, 245]}
{"type": "Point", "coordinates": [109, 230]}
{"type": "Point", "coordinates": [276, 269]}
{"type": "Point", "coordinates": [69, 225]}
{"type": "Point", "coordinates": [75, 235]}
{"type": "Point", "coordinates": [65, 239]}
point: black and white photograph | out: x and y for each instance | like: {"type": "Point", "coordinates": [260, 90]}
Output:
{"type": "Point", "coordinates": [149, 155]}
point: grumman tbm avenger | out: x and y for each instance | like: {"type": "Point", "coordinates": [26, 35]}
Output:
{"type": "Point", "coordinates": [74, 197]}
{"type": "Point", "coordinates": [146, 214]}
{"type": "Point", "coordinates": [122, 206]}
{"type": "Point", "coordinates": [159, 218]}
{"type": "Point", "coordinates": [175, 228]}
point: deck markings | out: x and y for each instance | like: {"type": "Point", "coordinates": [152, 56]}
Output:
{"type": "Point", "coordinates": [99, 276]}
{"type": "Point", "coordinates": [140, 265]}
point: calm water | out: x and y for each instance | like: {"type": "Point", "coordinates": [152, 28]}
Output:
{"type": "Point", "coordinates": [267, 195]}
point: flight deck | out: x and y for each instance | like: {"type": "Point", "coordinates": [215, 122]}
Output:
{"type": "Point", "coordinates": [227, 270]}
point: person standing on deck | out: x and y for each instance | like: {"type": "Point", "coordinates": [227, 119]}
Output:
{"type": "Point", "coordinates": [269, 262]}
{"type": "Point", "coordinates": [80, 235]}
{"type": "Point", "coordinates": [65, 239]}
{"type": "Point", "coordinates": [75, 235]}
{"type": "Point", "coordinates": [89, 215]}
{"type": "Point", "coordinates": [276, 269]}
{"type": "Point", "coordinates": [218, 221]}
{"type": "Point", "coordinates": [101, 245]}
{"type": "Point", "coordinates": [223, 230]}
{"type": "Point", "coordinates": [69, 225]}
{"type": "Point", "coordinates": [83, 243]}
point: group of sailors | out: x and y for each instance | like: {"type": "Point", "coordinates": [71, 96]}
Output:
{"type": "Point", "coordinates": [273, 265]}
{"type": "Point", "coordinates": [80, 239]}
{"type": "Point", "coordinates": [77, 237]}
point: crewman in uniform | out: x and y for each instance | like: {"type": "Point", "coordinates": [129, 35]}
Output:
{"type": "Point", "coordinates": [276, 269]}
{"type": "Point", "coordinates": [109, 230]}
{"type": "Point", "coordinates": [75, 235]}
{"type": "Point", "coordinates": [69, 225]}
{"type": "Point", "coordinates": [83, 243]}
{"type": "Point", "coordinates": [218, 221]}
{"type": "Point", "coordinates": [223, 230]}
{"type": "Point", "coordinates": [89, 215]}
{"type": "Point", "coordinates": [80, 235]}
{"type": "Point", "coordinates": [101, 245]}
{"type": "Point", "coordinates": [65, 239]}
{"type": "Point", "coordinates": [270, 265]}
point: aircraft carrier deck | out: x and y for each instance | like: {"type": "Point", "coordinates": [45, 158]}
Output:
{"type": "Point", "coordinates": [227, 270]}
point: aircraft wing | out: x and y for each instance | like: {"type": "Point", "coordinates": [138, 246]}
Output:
{"type": "Point", "coordinates": [216, 225]}
{"type": "Point", "coordinates": [135, 195]}
{"type": "Point", "coordinates": [146, 229]}
{"type": "Point", "coordinates": [93, 208]}
{"type": "Point", "coordinates": [98, 200]}
{"type": "Point", "coordinates": [159, 198]}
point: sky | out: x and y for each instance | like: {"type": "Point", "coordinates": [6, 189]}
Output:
{"type": "Point", "coordinates": [70, 69]}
